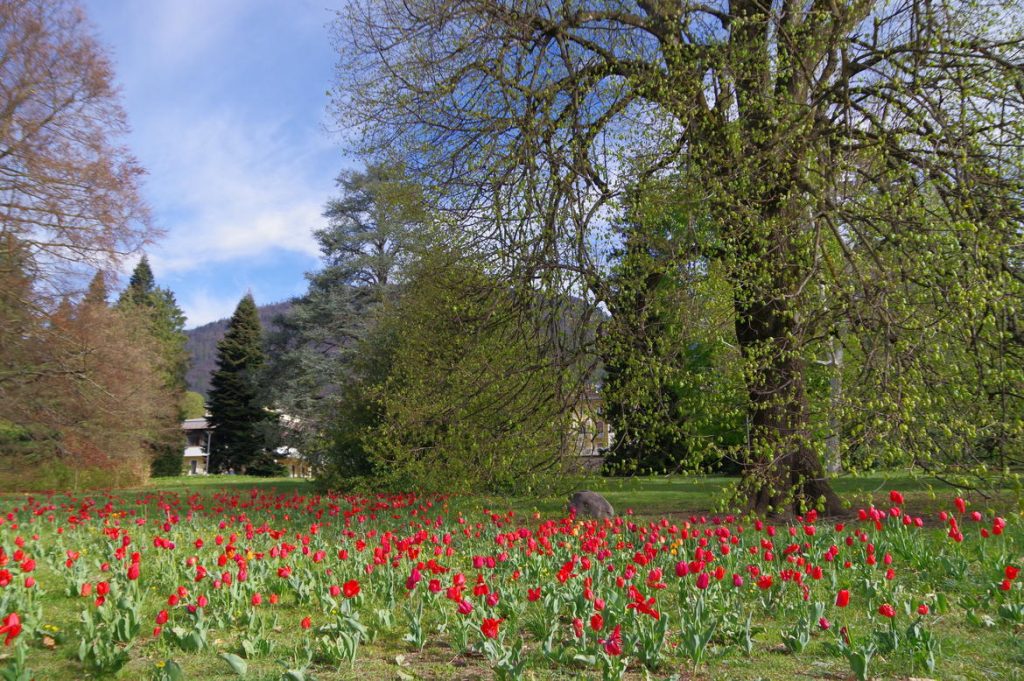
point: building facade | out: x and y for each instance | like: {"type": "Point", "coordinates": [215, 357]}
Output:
{"type": "Point", "coordinates": [199, 435]}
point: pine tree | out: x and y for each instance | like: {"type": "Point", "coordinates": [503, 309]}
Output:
{"type": "Point", "coordinates": [158, 313]}
{"type": "Point", "coordinates": [376, 223]}
{"type": "Point", "coordinates": [141, 285]}
{"type": "Point", "coordinates": [164, 318]}
{"type": "Point", "coordinates": [238, 415]}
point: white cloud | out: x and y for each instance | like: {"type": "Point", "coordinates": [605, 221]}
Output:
{"type": "Point", "coordinates": [235, 189]}
{"type": "Point", "coordinates": [225, 98]}
{"type": "Point", "coordinates": [202, 307]}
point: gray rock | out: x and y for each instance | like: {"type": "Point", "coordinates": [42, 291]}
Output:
{"type": "Point", "coordinates": [589, 504]}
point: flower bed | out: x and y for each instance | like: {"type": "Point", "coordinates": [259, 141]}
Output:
{"type": "Point", "coordinates": [169, 583]}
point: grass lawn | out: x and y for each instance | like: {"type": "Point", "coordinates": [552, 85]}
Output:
{"type": "Point", "coordinates": [970, 618]}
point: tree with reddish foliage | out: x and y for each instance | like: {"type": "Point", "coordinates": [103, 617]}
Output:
{"type": "Point", "coordinates": [70, 188]}
{"type": "Point", "coordinates": [78, 387]}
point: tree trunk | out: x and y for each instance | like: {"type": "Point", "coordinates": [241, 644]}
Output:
{"type": "Point", "coordinates": [782, 469]}
{"type": "Point", "coordinates": [833, 458]}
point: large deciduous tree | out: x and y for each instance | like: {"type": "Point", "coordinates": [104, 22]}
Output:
{"type": "Point", "coordinates": [79, 382]}
{"type": "Point", "coordinates": [859, 160]}
{"type": "Point", "coordinates": [69, 191]}
{"type": "Point", "coordinates": [238, 414]}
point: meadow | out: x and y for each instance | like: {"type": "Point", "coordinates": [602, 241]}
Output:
{"type": "Point", "coordinates": [222, 578]}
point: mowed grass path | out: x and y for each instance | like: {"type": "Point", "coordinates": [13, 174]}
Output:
{"type": "Point", "coordinates": [970, 651]}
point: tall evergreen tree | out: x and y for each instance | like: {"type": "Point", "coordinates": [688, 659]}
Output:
{"type": "Point", "coordinates": [157, 311]}
{"type": "Point", "coordinates": [374, 224]}
{"type": "Point", "coordinates": [141, 284]}
{"type": "Point", "coordinates": [237, 410]}
{"type": "Point", "coordinates": [165, 319]}
{"type": "Point", "coordinates": [669, 393]}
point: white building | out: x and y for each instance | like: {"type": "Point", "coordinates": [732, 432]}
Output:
{"type": "Point", "coordinates": [199, 435]}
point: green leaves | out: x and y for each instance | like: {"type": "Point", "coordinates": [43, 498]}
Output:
{"type": "Point", "coordinates": [237, 664]}
{"type": "Point", "coordinates": [167, 670]}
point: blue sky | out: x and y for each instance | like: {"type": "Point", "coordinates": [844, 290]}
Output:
{"type": "Point", "coordinates": [227, 103]}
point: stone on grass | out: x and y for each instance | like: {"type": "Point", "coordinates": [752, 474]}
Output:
{"type": "Point", "coordinates": [587, 504]}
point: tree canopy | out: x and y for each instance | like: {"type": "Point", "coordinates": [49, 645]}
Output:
{"type": "Point", "coordinates": [70, 188]}
{"type": "Point", "coordinates": [374, 224]}
{"type": "Point", "coordinates": [858, 161]}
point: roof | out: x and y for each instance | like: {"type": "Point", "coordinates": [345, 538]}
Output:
{"type": "Point", "coordinates": [195, 424]}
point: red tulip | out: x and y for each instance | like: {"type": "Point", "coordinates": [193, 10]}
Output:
{"type": "Point", "coordinates": [306, 623]}
{"type": "Point", "coordinates": [895, 497]}
{"type": "Point", "coordinates": [257, 599]}
{"type": "Point", "coordinates": [922, 609]}
{"type": "Point", "coordinates": [102, 588]}
{"type": "Point", "coordinates": [577, 627]}
{"type": "Point", "coordinates": [596, 622]}
{"type": "Point", "coordinates": [886, 610]}
{"type": "Point", "coordinates": [843, 598]}
{"type": "Point", "coordinates": [1012, 572]}
{"type": "Point", "coordinates": [350, 588]}
{"type": "Point", "coordinates": [533, 594]}
{"type": "Point", "coordinates": [613, 644]}
{"type": "Point", "coordinates": [11, 627]}
{"type": "Point", "coordinates": [161, 617]}
{"type": "Point", "coordinates": [489, 627]}
{"type": "Point", "coordinates": [133, 571]}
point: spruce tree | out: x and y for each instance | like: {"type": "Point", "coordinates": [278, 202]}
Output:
{"type": "Point", "coordinates": [164, 318]}
{"type": "Point", "coordinates": [237, 411]}
{"type": "Point", "coordinates": [141, 285]}
{"type": "Point", "coordinates": [157, 311]}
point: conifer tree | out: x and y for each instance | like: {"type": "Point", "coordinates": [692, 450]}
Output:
{"type": "Point", "coordinates": [96, 294]}
{"type": "Point", "coordinates": [237, 412]}
{"type": "Point", "coordinates": [158, 312]}
{"type": "Point", "coordinates": [141, 284]}
{"type": "Point", "coordinates": [165, 319]}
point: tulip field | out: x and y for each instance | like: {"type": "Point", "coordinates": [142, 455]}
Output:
{"type": "Point", "coordinates": [262, 582]}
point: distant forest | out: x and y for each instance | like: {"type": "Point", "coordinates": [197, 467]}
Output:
{"type": "Point", "coordinates": [202, 345]}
